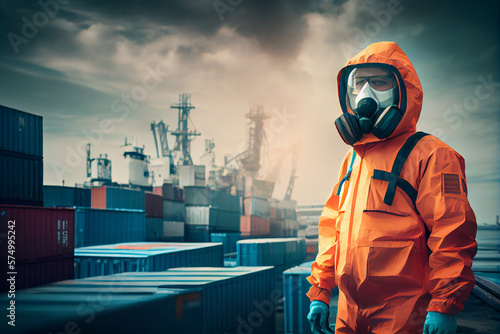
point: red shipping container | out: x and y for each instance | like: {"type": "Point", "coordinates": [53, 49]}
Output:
{"type": "Point", "coordinates": [39, 272]}
{"type": "Point", "coordinates": [153, 205]}
{"type": "Point", "coordinates": [41, 248]}
{"type": "Point", "coordinates": [158, 191]}
{"type": "Point", "coordinates": [254, 225]}
{"type": "Point", "coordinates": [98, 198]}
{"type": "Point", "coordinates": [38, 232]}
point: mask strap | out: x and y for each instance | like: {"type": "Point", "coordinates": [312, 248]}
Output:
{"type": "Point", "coordinates": [381, 116]}
{"type": "Point", "coordinates": [348, 175]}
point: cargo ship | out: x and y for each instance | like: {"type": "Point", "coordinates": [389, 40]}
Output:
{"type": "Point", "coordinates": [180, 248]}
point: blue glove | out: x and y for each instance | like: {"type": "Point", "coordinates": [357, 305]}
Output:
{"type": "Point", "coordinates": [318, 317]}
{"type": "Point", "coordinates": [440, 323]}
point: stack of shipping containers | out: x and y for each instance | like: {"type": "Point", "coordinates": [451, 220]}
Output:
{"type": "Point", "coordinates": [255, 209]}
{"type": "Point", "coordinates": [153, 208]}
{"type": "Point", "coordinates": [21, 151]}
{"type": "Point", "coordinates": [308, 217]}
{"type": "Point", "coordinates": [283, 219]}
{"type": "Point", "coordinates": [116, 215]}
{"type": "Point", "coordinates": [210, 211]}
{"type": "Point", "coordinates": [255, 218]}
{"type": "Point", "coordinates": [177, 301]}
{"type": "Point", "coordinates": [120, 229]}
{"type": "Point", "coordinates": [174, 212]}
{"type": "Point", "coordinates": [36, 243]}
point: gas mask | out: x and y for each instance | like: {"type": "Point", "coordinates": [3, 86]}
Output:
{"type": "Point", "coordinates": [372, 95]}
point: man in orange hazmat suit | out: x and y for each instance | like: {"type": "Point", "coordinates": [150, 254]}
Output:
{"type": "Point", "coordinates": [397, 235]}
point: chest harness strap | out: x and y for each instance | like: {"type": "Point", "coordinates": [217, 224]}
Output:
{"type": "Point", "coordinates": [393, 177]}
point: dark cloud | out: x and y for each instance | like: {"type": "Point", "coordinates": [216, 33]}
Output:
{"type": "Point", "coordinates": [278, 26]}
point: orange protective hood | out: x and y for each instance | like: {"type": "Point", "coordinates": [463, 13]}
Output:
{"type": "Point", "coordinates": [410, 93]}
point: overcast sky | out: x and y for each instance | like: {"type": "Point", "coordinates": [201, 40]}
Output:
{"type": "Point", "coordinates": [109, 68]}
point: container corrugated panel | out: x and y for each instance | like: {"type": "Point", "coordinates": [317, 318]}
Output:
{"type": "Point", "coordinates": [21, 179]}
{"type": "Point", "coordinates": [197, 233]}
{"type": "Point", "coordinates": [282, 253]}
{"type": "Point", "coordinates": [228, 239]}
{"type": "Point", "coordinates": [174, 211]}
{"type": "Point", "coordinates": [59, 196]}
{"type": "Point", "coordinates": [39, 232]}
{"type": "Point", "coordinates": [83, 197]}
{"type": "Point", "coordinates": [105, 308]}
{"type": "Point", "coordinates": [99, 227]}
{"type": "Point", "coordinates": [235, 300]}
{"type": "Point", "coordinates": [218, 220]}
{"type": "Point", "coordinates": [21, 132]}
{"type": "Point", "coordinates": [141, 257]}
{"type": "Point", "coordinates": [153, 205]}
{"type": "Point", "coordinates": [254, 225]}
{"type": "Point", "coordinates": [217, 199]}
{"type": "Point", "coordinates": [173, 229]}
{"type": "Point", "coordinates": [37, 272]}
{"type": "Point", "coordinates": [154, 229]}
{"type": "Point", "coordinates": [117, 198]}
{"type": "Point", "coordinates": [296, 303]}
{"type": "Point", "coordinates": [256, 206]}
{"type": "Point", "coordinates": [98, 198]}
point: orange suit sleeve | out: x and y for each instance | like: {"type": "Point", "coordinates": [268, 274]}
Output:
{"type": "Point", "coordinates": [322, 276]}
{"type": "Point", "coordinates": [444, 207]}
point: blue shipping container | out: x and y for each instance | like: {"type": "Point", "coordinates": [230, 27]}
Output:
{"type": "Point", "coordinates": [106, 308]}
{"type": "Point", "coordinates": [297, 304]}
{"type": "Point", "coordinates": [101, 227]}
{"type": "Point", "coordinates": [21, 179]}
{"type": "Point", "coordinates": [142, 257]}
{"type": "Point", "coordinates": [59, 196]}
{"type": "Point", "coordinates": [282, 253]}
{"type": "Point", "coordinates": [174, 211]}
{"type": "Point", "coordinates": [235, 300]}
{"type": "Point", "coordinates": [117, 198]}
{"type": "Point", "coordinates": [21, 132]}
{"type": "Point", "coordinates": [154, 229]}
{"type": "Point", "coordinates": [228, 239]}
